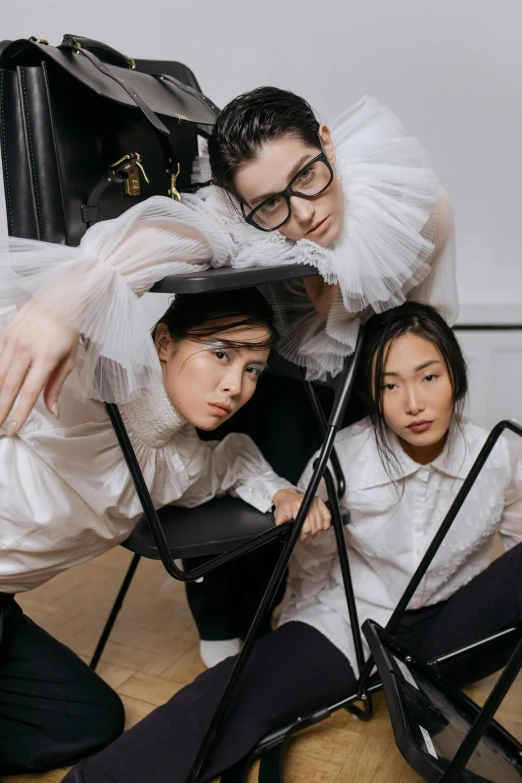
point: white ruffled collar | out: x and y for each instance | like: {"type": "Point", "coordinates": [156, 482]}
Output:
{"type": "Point", "coordinates": [151, 419]}
{"type": "Point", "coordinates": [391, 192]}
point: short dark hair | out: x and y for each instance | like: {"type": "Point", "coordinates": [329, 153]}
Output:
{"type": "Point", "coordinates": [250, 120]}
{"type": "Point", "coordinates": [191, 317]}
{"type": "Point", "coordinates": [380, 332]}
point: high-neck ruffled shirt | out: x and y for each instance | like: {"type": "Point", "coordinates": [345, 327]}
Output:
{"type": "Point", "coordinates": [66, 494]}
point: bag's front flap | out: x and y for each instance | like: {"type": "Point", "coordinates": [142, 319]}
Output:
{"type": "Point", "coordinates": [164, 97]}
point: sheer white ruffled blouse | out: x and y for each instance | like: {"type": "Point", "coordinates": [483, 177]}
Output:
{"type": "Point", "coordinates": [397, 242]}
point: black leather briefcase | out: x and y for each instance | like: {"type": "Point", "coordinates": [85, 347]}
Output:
{"type": "Point", "coordinates": [85, 135]}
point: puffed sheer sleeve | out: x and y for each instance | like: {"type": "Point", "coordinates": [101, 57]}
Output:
{"type": "Point", "coordinates": [236, 466]}
{"type": "Point", "coordinates": [97, 286]}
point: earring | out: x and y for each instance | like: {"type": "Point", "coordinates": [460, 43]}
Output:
{"type": "Point", "coordinates": [337, 176]}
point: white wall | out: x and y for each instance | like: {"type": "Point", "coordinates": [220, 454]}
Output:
{"type": "Point", "coordinates": [451, 69]}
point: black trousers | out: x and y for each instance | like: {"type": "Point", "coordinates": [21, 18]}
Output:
{"type": "Point", "coordinates": [224, 603]}
{"type": "Point", "coordinates": [296, 670]}
{"type": "Point", "coordinates": [54, 710]}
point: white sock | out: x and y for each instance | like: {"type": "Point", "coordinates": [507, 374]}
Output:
{"type": "Point", "coordinates": [212, 653]}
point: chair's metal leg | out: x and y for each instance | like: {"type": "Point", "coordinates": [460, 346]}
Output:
{"type": "Point", "coordinates": [485, 716]}
{"type": "Point", "coordinates": [323, 428]}
{"type": "Point", "coordinates": [271, 768]}
{"type": "Point", "coordinates": [242, 660]}
{"type": "Point", "coordinates": [265, 605]}
{"type": "Point", "coordinates": [115, 611]}
{"type": "Point", "coordinates": [367, 712]}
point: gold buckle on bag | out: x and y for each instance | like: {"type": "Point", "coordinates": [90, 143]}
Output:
{"type": "Point", "coordinates": [131, 185]}
{"type": "Point", "coordinates": [173, 191]}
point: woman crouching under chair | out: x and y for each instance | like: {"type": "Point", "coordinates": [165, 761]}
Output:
{"type": "Point", "coordinates": [66, 496]}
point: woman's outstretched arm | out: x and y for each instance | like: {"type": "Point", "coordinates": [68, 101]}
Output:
{"type": "Point", "coordinates": [51, 294]}
{"type": "Point", "coordinates": [236, 466]}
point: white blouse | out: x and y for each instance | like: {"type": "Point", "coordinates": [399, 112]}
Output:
{"type": "Point", "coordinates": [66, 494]}
{"type": "Point", "coordinates": [391, 527]}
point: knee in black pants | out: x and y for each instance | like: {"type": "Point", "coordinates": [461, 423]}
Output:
{"type": "Point", "coordinates": [54, 708]}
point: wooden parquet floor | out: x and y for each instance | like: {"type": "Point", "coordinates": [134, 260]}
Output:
{"type": "Point", "coordinates": [153, 652]}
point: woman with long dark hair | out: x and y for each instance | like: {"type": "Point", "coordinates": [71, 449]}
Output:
{"type": "Point", "coordinates": [403, 464]}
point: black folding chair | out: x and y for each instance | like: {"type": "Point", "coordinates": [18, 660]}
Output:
{"type": "Point", "coordinates": [271, 750]}
{"type": "Point", "coordinates": [227, 527]}
{"type": "Point", "coordinates": [443, 735]}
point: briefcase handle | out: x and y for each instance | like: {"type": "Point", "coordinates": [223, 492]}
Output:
{"type": "Point", "coordinates": [101, 50]}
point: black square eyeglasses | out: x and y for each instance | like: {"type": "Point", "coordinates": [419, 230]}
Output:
{"type": "Point", "coordinates": [309, 182]}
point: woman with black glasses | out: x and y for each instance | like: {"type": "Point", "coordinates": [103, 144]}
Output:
{"type": "Point", "coordinates": [359, 201]}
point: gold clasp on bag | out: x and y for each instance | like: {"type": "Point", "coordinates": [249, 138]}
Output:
{"type": "Point", "coordinates": [173, 191]}
{"type": "Point", "coordinates": [132, 169]}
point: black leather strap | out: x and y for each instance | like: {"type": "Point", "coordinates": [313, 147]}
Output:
{"type": "Point", "coordinates": [118, 173]}
{"type": "Point", "coordinates": [101, 50]}
{"type": "Point", "coordinates": [190, 90]}
{"type": "Point", "coordinates": [161, 131]}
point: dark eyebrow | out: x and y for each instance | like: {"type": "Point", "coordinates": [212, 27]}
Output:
{"type": "Point", "coordinates": [295, 170]}
{"type": "Point", "coordinates": [427, 364]}
{"type": "Point", "coordinates": [417, 369]}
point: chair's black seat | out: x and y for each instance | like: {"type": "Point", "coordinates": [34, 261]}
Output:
{"type": "Point", "coordinates": [227, 278]}
{"type": "Point", "coordinates": [213, 528]}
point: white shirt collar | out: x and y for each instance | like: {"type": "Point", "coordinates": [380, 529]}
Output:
{"type": "Point", "coordinates": [367, 469]}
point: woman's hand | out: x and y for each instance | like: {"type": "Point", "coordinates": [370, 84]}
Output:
{"type": "Point", "coordinates": [287, 503]}
{"type": "Point", "coordinates": [37, 353]}
{"type": "Point", "coordinates": [321, 293]}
